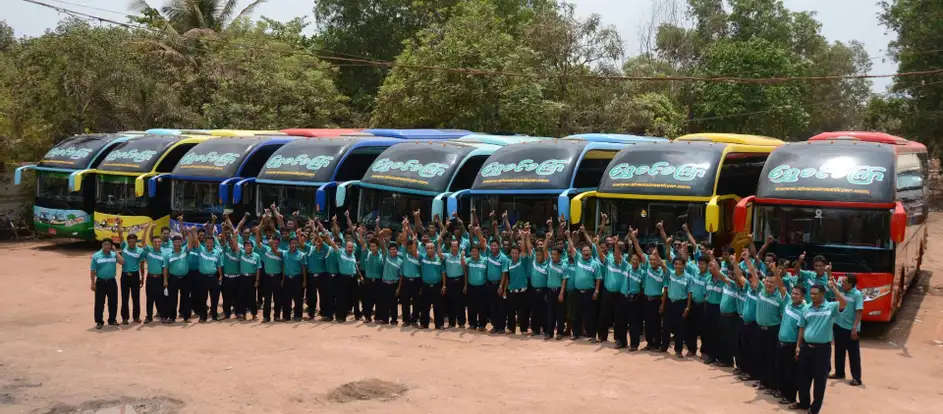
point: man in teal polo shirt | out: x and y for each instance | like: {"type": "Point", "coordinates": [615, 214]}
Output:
{"type": "Point", "coordinates": [390, 281]}
{"type": "Point", "coordinates": [699, 280]}
{"type": "Point", "coordinates": [814, 345]}
{"type": "Point", "coordinates": [539, 271]}
{"type": "Point", "coordinates": [178, 267]}
{"type": "Point", "coordinates": [209, 267]}
{"type": "Point", "coordinates": [373, 271]}
{"type": "Point", "coordinates": [293, 261]}
{"type": "Point", "coordinates": [271, 283]}
{"type": "Point", "coordinates": [813, 277]}
{"type": "Point", "coordinates": [653, 288]}
{"type": "Point", "coordinates": [749, 332]}
{"type": "Point", "coordinates": [788, 337]}
{"type": "Point", "coordinates": [732, 276]}
{"type": "Point", "coordinates": [847, 328]}
{"type": "Point", "coordinates": [432, 289]}
{"type": "Point", "coordinates": [456, 283]}
{"type": "Point", "coordinates": [156, 270]}
{"type": "Point", "coordinates": [250, 266]}
{"type": "Point", "coordinates": [131, 281]}
{"type": "Point", "coordinates": [517, 297]}
{"type": "Point", "coordinates": [634, 300]}
{"type": "Point", "coordinates": [409, 291]}
{"type": "Point", "coordinates": [587, 278]}
{"type": "Point", "coordinates": [712, 329]}
{"type": "Point", "coordinates": [769, 309]}
{"type": "Point", "coordinates": [497, 275]}
{"type": "Point", "coordinates": [103, 269]}
{"type": "Point", "coordinates": [319, 281]}
{"type": "Point", "coordinates": [232, 287]}
{"type": "Point", "coordinates": [477, 297]}
{"type": "Point", "coordinates": [347, 276]}
{"type": "Point", "coordinates": [555, 298]}
{"type": "Point", "coordinates": [677, 307]}
{"type": "Point", "coordinates": [611, 306]}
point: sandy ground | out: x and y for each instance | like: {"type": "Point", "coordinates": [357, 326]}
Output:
{"type": "Point", "coordinates": [52, 360]}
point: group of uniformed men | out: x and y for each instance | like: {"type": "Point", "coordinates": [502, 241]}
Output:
{"type": "Point", "coordinates": [751, 311]}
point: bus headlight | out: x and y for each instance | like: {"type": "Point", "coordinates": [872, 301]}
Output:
{"type": "Point", "coordinates": [873, 293]}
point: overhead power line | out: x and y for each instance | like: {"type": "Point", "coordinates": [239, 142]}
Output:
{"type": "Point", "coordinates": [486, 72]}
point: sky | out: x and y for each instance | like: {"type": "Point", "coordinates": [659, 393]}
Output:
{"type": "Point", "coordinates": [842, 20]}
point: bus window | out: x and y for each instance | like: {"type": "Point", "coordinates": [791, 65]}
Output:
{"type": "Point", "coordinates": [590, 172]}
{"type": "Point", "coordinates": [644, 215]}
{"type": "Point", "coordinates": [465, 176]}
{"type": "Point", "coordinates": [740, 174]}
{"type": "Point", "coordinates": [391, 208]}
{"type": "Point", "coordinates": [810, 225]}
{"type": "Point", "coordinates": [534, 209]}
{"type": "Point", "coordinates": [195, 196]}
{"type": "Point", "coordinates": [115, 195]}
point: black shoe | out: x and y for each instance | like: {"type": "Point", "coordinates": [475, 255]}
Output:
{"type": "Point", "coordinates": [620, 345]}
{"type": "Point", "coordinates": [99, 325]}
{"type": "Point", "coordinates": [202, 320]}
{"type": "Point", "coordinates": [777, 394]}
{"type": "Point", "coordinates": [737, 371]}
{"type": "Point", "coordinates": [633, 349]}
{"type": "Point", "coordinates": [297, 319]}
{"type": "Point", "coordinates": [186, 320]}
{"type": "Point", "coordinates": [798, 406]}
{"type": "Point", "coordinates": [124, 321]}
{"type": "Point", "coordinates": [662, 350]}
{"type": "Point", "coordinates": [836, 376]}
{"type": "Point", "coordinates": [112, 323]}
{"type": "Point", "coordinates": [709, 360]}
{"type": "Point", "coordinates": [786, 401]}
{"type": "Point", "coordinates": [266, 320]}
{"type": "Point", "coordinates": [855, 382]}
{"type": "Point", "coordinates": [547, 337]}
{"type": "Point", "coordinates": [137, 320]}
{"type": "Point", "coordinates": [574, 337]}
{"type": "Point", "coordinates": [216, 318]}
{"type": "Point", "coordinates": [148, 320]}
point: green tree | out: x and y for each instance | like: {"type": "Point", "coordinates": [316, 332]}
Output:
{"type": "Point", "coordinates": [259, 82]}
{"type": "Point", "coordinates": [475, 37]}
{"type": "Point", "coordinates": [919, 27]}
{"type": "Point", "coordinates": [186, 16]}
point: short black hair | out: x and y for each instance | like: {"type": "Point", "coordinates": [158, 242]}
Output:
{"type": "Point", "coordinates": [164, 228]}
{"type": "Point", "coordinates": [177, 237]}
{"type": "Point", "coordinates": [107, 241]}
{"type": "Point", "coordinates": [773, 255]}
{"type": "Point", "coordinates": [677, 259]}
{"type": "Point", "coordinates": [852, 278]}
{"type": "Point", "coordinates": [198, 231]}
{"type": "Point", "coordinates": [819, 258]}
{"type": "Point", "coordinates": [819, 286]}
{"type": "Point", "coordinates": [704, 259]}
{"type": "Point", "coordinates": [133, 236]}
{"type": "Point", "coordinates": [801, 289]}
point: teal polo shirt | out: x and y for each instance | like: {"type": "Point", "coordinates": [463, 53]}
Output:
{"type": "Point", "coordinates": [346, 263]}
{"type": "Point", "coordinates": [332, 261]}
{"type": "Point", "coordinates": [698, 282]}
{"type": "Point", "coordinates": [586, 273]}
{"type": "Point", "coordinates": [104, 265]}
{"type": "Point", "coordinates": [678, 286]}
{"type": "Point", "coordinates": [570, 275]}
{"type": "Point", "coordinates": [431, 270]}
{"type": "Point", "coordinates": [749, 305]}
{"type": "Point", "coordinates": [730, 301]}
{"type": "Point", "coordinates": [249, 264]}
{"type": "Point", "coordinates": [178, 263]}
{"type": "Point", "coordinates": [614, 274]}
{"type": "Point", "coordinates": [316, 259]}
{"type": "Point", "coordinates": [538, 272]}
{"type": "Point", "coordinates": [715, 290]}
{"type": "Point", "coordinates": [810, 279]}
{"type": "Point", "coordinates": [155, 259]}
{"type": "Point", "coordinates": [556, 272]}
{"type": "Point", "coordinates": [392, 268]}
{"type": "Point", "coordinates": [209, 261]}
{"type": "Point", "coordinates": [655, 279]}
{"type": "Point", "coordinates": [789, 328]}
{"type": "Point", "coordinates": [373, 265]}
{"type": "Point", "coordinates": [453, 265]}
{"type": "Point", "coordinates": [517, 274]}
{"type": "Point", "coordinates": [817, 322]}
{"type": "Point", "coordinates": [634, 280]}
{"type": "Point", "coordinates": [412, 266]}
{"type": "Point", "coordinates": [853, 303]}
{"type": "Point", "coordinates": [230, 261]}
{"type": "Point", "coordinates": [133, 257]}
{"type": "Point", "coordinates": [497, 265]}
{"type": "Point", "coordinates": [769, 307]}
{"type": "Point", "coordinates": [477, 270]}
{"type": "Point", "coordinates": [293, 262]}
{"type": "Point", "coordinates": [271, 262]}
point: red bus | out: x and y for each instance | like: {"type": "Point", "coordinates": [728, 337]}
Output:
{"type": "Point", "coordinates": [860, 199]}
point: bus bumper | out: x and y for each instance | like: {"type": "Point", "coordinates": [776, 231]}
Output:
{"type": "Point", "coordinates": [105, 227]}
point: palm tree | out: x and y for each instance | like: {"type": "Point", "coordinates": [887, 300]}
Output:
{"type": "Point", "coordinates": [204, 16]}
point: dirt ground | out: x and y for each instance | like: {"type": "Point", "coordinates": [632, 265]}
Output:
{"type": "Point", "coordinates": [52, 360]}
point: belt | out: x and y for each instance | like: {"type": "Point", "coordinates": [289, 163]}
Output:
{"type": "Point", "coordinates": [729, 314]}
{"type": "Point", "coordinates": [787, 343]}
{"type": "Point", "coordinates": [208, 274]}
{"type": "Point", "coordinates": [653, 298]}
{"type": "Point", "coordinates": [521, 290]}
{"type": "Point", "coordinates": [765, 328]}
{"type": "Point", "coordinates": [632, 297]}
{"type": "Point", "coordinates": [391, 282]}
{"type": "Point", "coordinates": [745, 323]}
{"type": "Point", "coordinates": [696, 302]}
{"type": "Point", "coordinates": [131, 273]}
{"type": "Point", "coordinates": [583, 290]}
{"type": "Point", "coordinates": [272, 275]}
{"type": "Point", "coordinates": [103, 279]}
{"type": "Point", "coordinates": [811, 345]}
{"type": "Point", "coordinates": [430, 284]}
{"type": "Point", "coordinates": [230, 276]}
{"type": "Point", "coordinates": [154, 275]}
{"type": "Point", "coordinates": [248, 275]}
{"type": "Point", "coordinates": [679, 300]}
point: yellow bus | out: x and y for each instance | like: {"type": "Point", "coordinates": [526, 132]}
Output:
{"type": "Point", "coordinates": [242, 132]}
{"type": "Point", "coordinates": [695, 180]}
{"type": "Point", "coordinates": [121, 178]}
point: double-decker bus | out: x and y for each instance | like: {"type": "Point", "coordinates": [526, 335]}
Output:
{"type": "Point", "coordinates": [59, 211]}
{"type": "Point", "coordinates": [860, 199]}
{"type": "Point", "coordinates": [534, 181]}
{"type": "Point", "coordinates": [695, 180]}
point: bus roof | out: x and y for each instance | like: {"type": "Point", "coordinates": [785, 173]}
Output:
{"type": "Point", "coordinates": [686, 169]}
{"type": "Point", "coordinates": [539, 166]}
{"type": "Point", "coordinates": [166, 131]}
{"type": "Point", "coordinates": [500, 140]}
{"type": "Point", "coordinates": [902, 144]}
{"type": "Point", "coordinates": [616, 138]}
{"type": "Point", "coordinates": [830, 171]}
{"type": "Point", "coordinates": [734, 139]}
{"type": "Point", "coordinates": [143, 154]}
{"type": "Point", "coordinates": [79, 152]}
{"type": "Point", "coordinates": [316, 161]}
{"type": "Point", "coordinates": [243, 132]}
{"type": "Point", "coordinates": [319, 132]}
{"type": "Point", "coordinates": [222, 158]}
{"type": "Point", "coordinates": [418, 133]}
{"type": "Point", "coordinates": [423, 166]}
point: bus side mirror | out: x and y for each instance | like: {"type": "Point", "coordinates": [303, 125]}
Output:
{"type": "Point", "coordinates": [712, 216]}
{"type": "Point", "coordinates": [898, 223]}
{"type": "Point", "coordinates": [741, 213]}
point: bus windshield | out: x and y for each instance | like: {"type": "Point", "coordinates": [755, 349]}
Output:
{"type": "Point", "coordinates": [825, 226]}
{"type": "Point", "coordinates": [53, 188]}
{"type": "Point", "coordinates": [533, 209]}
{"type": "Point", "coordinates": [116, 195]}
{"type": "Point", "coordinates": [289, 199]}
{"type": "Point", "coordinates": [391, 207]}
{"type": "Point", "coordinates": [644, 215]}
{"type": "Point", "coordinates": [196, 197]}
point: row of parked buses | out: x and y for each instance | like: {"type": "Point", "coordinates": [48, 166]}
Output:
{"type": "Point", "coordinates": [857, 198]}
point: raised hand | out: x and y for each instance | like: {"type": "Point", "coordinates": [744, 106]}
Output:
{"type": "Point", "coordinates": [660, 225]}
